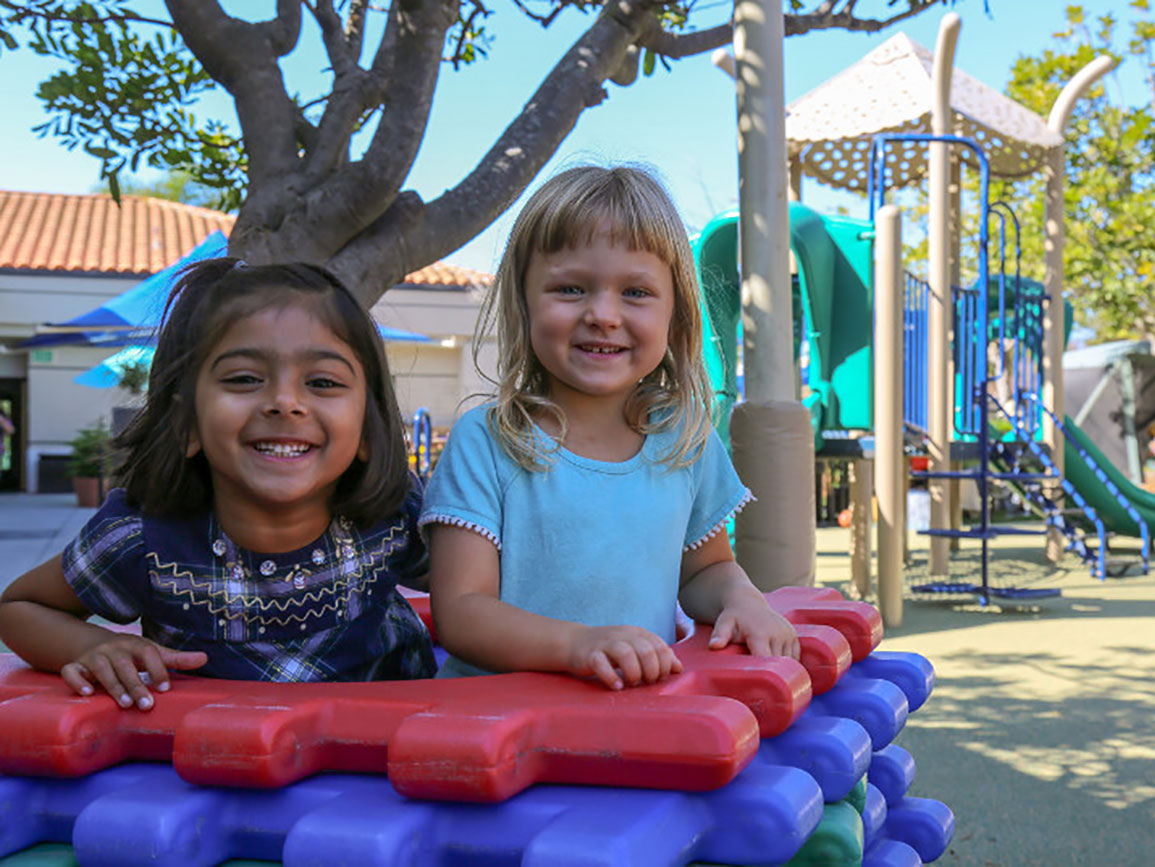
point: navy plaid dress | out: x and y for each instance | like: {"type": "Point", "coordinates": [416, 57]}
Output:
{"type": "Point", "coordinates": [327, 611]}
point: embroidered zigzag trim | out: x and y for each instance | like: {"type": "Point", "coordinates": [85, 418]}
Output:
{"type": "Point", "coordinates": [461, 522]}
{"type": "Point", "coordinates": [344, 584]}
{"type": "Point", "coordinates": [721, 525]}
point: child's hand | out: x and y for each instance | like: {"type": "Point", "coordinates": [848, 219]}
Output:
{"type": "Point", "coordinates": [638, 654]}
{"type": "Point", "coordinates": [764, 631]}
{"type": "Point", "coordinates": [117, 664]}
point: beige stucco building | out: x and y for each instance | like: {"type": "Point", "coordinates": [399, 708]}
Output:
{"type": "Point", "coordinates": [61, 256]}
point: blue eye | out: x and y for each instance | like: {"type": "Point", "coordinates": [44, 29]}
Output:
{"type": "Point", "coordinates": [568, 290]}
{"type": "Point", "coordinates": [636, 292]}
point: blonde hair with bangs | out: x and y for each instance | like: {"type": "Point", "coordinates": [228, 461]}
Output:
{"type": "Point", "coordinates": [566, 211]}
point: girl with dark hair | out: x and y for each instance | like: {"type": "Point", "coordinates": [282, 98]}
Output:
{"type": "Point", "coordinates": [267, 511]}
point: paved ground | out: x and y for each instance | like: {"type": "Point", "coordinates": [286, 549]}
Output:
{"type": "Point", "coordinates": [34, 527]}
{"type": "Point", "coordinates": [1040, 734]}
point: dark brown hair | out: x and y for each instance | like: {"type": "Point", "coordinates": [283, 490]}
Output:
{"type": "Point", "coordinates": [209, 297]}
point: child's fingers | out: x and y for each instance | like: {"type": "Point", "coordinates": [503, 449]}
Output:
{"type": "Point", "coordinates": [761, 645]}
{"type": "Point", "coordinates": [603, 670]}
{"type": "Point", "coordinates": [789, 647]}
{"type": "Point", "coordinates": [625, 657]}
{"type": "Point", "coordinates": [77, 677]}
{"type": "Point", "coordinates": [725, 628]}
{"type": "Point", "coordinates": [128, 673]}
{"type": "Point", "coordinates": [104, 672]}
{"type": "Point", "coordinates": [668, 661]}
{"type": "Point", "coordinates": [654, 664]}
{"type": "Point", "coordinates": [182, 660]}
{"type": "Point", "coordinates": [151, 659]}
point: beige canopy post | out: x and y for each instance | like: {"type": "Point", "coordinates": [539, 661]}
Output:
{"type": "Point", "coordinates": [773, 450]}
{"type": "Point", "coordinates": [888, 303]}
{"type": "Point", "coordinates": [1054, 238]}
{"type": "Point", "coordinates": [939, 300]}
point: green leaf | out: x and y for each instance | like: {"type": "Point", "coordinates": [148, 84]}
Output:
{"type": "Point", "coordinates": [648, 60]}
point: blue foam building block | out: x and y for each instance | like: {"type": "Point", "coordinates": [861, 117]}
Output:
{"type": "Point", "coordinates": [34, 810]}
{"type": "Point", "coordinates": [877, 705]}
{"type": "Point", "coordinates": [892, 771]}
{"type": "Point", "coordinates": [891, 825]}
{"type": "Point", "coordinates": [145, 814]}
{"type": "Point", "coordinates": [873, 814]}
{"type": "Point", "coordinates": [910, 672]}
{"type": "Point", "coordinates": [833, 750]}
{"type": "Point", "coordinates": [924, 824]}
{"type": "Point", "coordinates": [890, 853]}
{"type": "Point", "coordinates": [878, 849]}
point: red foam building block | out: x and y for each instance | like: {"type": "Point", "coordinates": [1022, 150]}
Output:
{"type": "Point", "coordinates": [472, 739]}
{"type": "Point", "coordinates": [859, 622]}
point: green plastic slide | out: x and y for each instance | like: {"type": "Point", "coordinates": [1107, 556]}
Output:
{"type": "Point", "coordinates": [1094, 490]}
{"type": "Point", "coordinates": [835, 300]}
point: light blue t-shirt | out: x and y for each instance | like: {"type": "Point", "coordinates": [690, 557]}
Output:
{"type": "Point", "coordinates": [593, 542]}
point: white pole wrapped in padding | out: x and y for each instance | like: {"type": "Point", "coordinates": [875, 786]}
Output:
{"type": "Point", "coordinates": [773, 451]}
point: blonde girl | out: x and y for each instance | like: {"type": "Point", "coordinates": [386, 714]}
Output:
{"type": "Point", "coordinates": [570, 514]}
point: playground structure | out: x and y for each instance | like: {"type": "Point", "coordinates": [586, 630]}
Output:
{"type": "Point", "coordinates": [978, 418]}
{"type": "Point", "coordinates": [737, 761]}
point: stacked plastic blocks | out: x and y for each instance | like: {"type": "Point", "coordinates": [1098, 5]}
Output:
{"type": "Point", "coordinates": [736, 761]}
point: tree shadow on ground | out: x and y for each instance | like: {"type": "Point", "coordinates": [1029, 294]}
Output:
{"type": "Point", "coordinates": [1051, 765]}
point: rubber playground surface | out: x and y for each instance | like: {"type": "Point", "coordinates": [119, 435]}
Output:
{"type": "Point", "coordinates": [1040, 734]}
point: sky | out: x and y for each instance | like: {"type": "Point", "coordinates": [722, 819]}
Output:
{"type": "Point", "coordinates": [680, 123]}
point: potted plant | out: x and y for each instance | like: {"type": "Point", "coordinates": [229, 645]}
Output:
{"type": "Point", "coordinates": [89, 463]}
{"type": "Point", "coordinates": [132, 377]}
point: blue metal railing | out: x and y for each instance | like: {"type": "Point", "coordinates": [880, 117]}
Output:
{"type": "Point", "coordinates": [914, 353]}
{"type": "Point", "coordinates": [423, 443]}
{"type": "Point", "coordinates": [1055, 519]}
{"type": "Point", "coordinates": [969, 358]}
{"type": "Point", "coordinates": [1112, 489]}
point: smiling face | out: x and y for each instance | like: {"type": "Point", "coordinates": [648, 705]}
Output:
{"type": "Point", "coordinates": [599, 318]}
{"type": "Point", "coordinates": [280, 410]}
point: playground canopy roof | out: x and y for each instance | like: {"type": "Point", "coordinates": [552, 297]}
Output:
{"type": "Point", "coordinates": [891, 89]}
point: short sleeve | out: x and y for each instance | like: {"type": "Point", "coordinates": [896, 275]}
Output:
{"type": "Point", "coordinates": [718, 493]}
{"type": "Point", "coordinates": [466, 488]}
{"type": "Point", "coordinates": [105, 564]}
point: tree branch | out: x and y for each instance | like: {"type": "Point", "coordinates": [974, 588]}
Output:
{"type": "Point", "coordinates": [341, 58]}
{"type": "Point", "coordinates": [823, 18]}
{"type": "Point", "coordinates": [573, 85]}
{"type": "Point", "coordinates": [355, 26]}
{"type": "Point", "coordinates": [352, 198]}
{"type": "Point", "coordinates": [23, 12]}
{"type": "Point", "coordinates": [543, 20]}
{"type": "Point", "coordinates": [678, 45]}
{"type": "Point", "coordinates": [242, 57]}
{"type": "Point", "coordinates": [283, 30]}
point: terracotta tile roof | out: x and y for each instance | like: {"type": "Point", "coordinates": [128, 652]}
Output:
{"type": "Point", "coordinates": [89, 234]}
{"type": "Point", "coordinates": [444, 274]}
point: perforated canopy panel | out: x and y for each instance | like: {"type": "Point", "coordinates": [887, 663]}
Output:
{"type": "Point", "coordinates": [829, 130]}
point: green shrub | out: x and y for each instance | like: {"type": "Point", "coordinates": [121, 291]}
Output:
{"type": "Point", "coordinates": [91, 451]}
